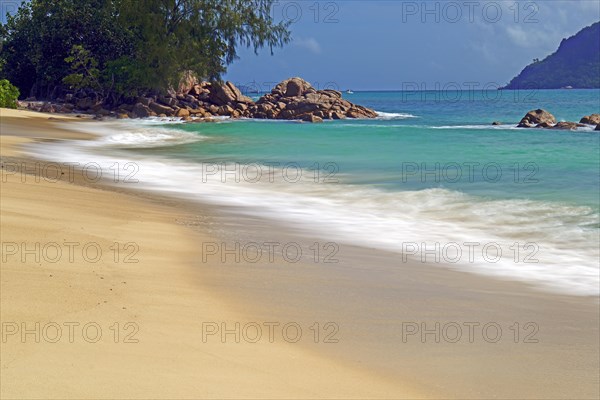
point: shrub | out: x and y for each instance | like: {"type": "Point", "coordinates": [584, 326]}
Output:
{"type": "Point", "coordinates": [8, 94]}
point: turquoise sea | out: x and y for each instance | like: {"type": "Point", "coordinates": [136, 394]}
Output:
{"type": "Point", "coordinates": [431, 171]}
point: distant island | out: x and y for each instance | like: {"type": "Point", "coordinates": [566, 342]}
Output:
{"type": "Point", "coordinates": [576, 65]}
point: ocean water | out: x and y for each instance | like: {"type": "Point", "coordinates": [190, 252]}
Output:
{"type": "Point", "coordinates": [430, 179]}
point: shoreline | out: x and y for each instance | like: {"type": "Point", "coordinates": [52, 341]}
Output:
{"type": "Point", "coordinates": [371, 297]}
{"type": "Point", "coordinates": [162, 298]}
{"type": "Point", "coordinates": [369, 309]}
{"type": "Point", "coordinates": [312, 204]}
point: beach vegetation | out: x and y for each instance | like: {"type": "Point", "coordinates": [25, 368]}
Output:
{"type": "Point", "coordinates": [125, 48]}
{"type": "Point", "coordinates": [8, 94]}
{"type": "Point", "coordinates": [85, 69]}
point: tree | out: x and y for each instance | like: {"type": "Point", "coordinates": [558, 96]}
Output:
{"type": "Point", "coordinates": [40, 36]}
{"type": "Point", "coordinates": [137, 46]}
{"type": "Point", "coordinates": [202, 36]}
{"type": "Point", "coordinates": [85, 70]}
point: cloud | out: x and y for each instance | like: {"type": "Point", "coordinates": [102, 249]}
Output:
{"type": "Point", "coordinates": [587, 5]}
{"type": "Point", "coordinates": [532, 37]}
{"type": "Point", "coordinates": [532, 27]}
{"type": "Point", "coordinates": [485, 51]}
{"type": "Point", "coordinates": [310, 44]}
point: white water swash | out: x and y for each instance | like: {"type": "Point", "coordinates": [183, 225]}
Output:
{"type": "Point", "coordinates": [543, 243]}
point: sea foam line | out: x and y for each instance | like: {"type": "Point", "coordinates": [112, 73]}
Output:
{"type": "Point", "coordinates": [393, 116]}
{"type": "Point", "coordinates": [367, 216]}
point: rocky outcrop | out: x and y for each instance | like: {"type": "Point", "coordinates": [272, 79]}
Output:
{"type": "Point", "coordinates": [46, 107]}
{"type": "Point", "coordinates": [296, 99]}
{"type": "Point", "coordinates": [567, 126]}
{"type": "Point", "coordinates": [535, 117]}
{"type": "Point", "coordinates": [312, 118]}
{"type": "Point", "coordinates": [593, 119]}
{"type": "Point", "coordinates": [292, 99]}
{"type": "Point", "coordinates": [227, 94]}
{"type": "Point", "coordinates": [182, 113]}
{"type": "Point", "coordinates": [543, 119]}
{"type": "Point", "coordinates": [187, 81]}
{"type": "Point", "coordinates": [161, 109]}
{"type": "Point", "coordinates": [142, 111]}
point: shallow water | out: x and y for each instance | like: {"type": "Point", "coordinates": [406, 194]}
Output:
{"type": "Point", "coordinates": [430, 178]}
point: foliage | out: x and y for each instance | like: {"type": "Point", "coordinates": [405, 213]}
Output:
{"type": "Point", "coordinates": [129, 78]}
{"type": "Point", "coordinates": [41, 35]}
{"type": "Point", "coordinates": [126, 47]}
{"type": "Point", "coordinates": [2, 36]}
{"type": "Point", "coordinates": [174, 36]}
{"type": "Point", "coordinates": [86, 73]}
{"type": "Point", "coordinates": [8, 94]}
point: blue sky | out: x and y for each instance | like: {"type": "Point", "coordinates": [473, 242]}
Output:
{"type": "Point", "coordinates": [394, 44]}
{"type": "Point", "coordinates": [399, 44]}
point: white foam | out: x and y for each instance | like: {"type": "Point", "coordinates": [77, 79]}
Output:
{"type": "Point", "coordinates": [489, 126]}
{"type": "Point", "coordinates": [504, 127]}
{"type": "Point", "coordinates": [393, 116]}
{"type": "Point", "coordinates": [168, 120]}
{"type": "Point", "coordinates": [135, 134]}
{"type": "Point", "coordinates": [155, 137]}
{"type": "Point", "coordinates": [567, 251]}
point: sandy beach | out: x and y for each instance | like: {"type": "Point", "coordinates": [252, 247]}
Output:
{"type": "Point", "coordinates": [160, 302]}
{"type": "Point", "coordinates": [225, 200]}
{"type": "Point", "coordinates": [160, 354]}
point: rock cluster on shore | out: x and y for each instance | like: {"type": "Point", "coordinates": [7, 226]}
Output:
{"type": "Point", "coordinates": [543, 119]}
{"type": "Point", "coordinates": [292, 99]}
{"type": "Point", "coordinates": [297, 99]}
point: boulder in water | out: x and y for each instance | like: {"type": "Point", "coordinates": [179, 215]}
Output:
{"type": "Point", "coordinates": [593, 119]}
{"type": "Point", "coordinates": [535, 117]}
